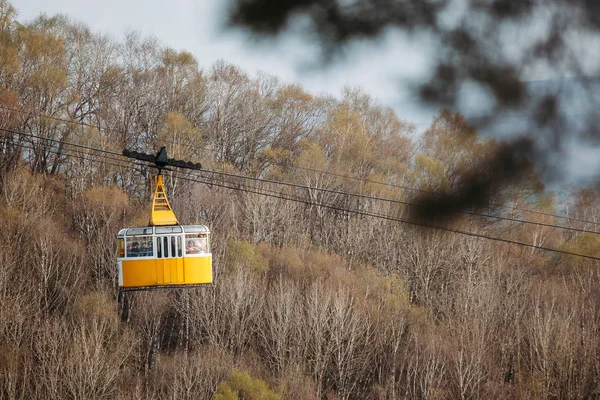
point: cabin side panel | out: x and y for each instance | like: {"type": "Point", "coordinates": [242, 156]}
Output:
{"type": "Point", "coordinates": [139, 272]}
{"type": "Point", "coordinates": [198, 270]}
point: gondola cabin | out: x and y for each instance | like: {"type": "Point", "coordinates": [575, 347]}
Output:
{"type": "Point", "coordinates": [164, 254]}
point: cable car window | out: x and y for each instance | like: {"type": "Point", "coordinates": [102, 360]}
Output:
{"type": "Point", "coordinates": [166, 246]}
{"type": "Point", "coordinates": [147, 249]}
{"type": "Point", "coordinates": [195, 229]}
{"type": "Point", "coordinates": [133, 248]}
{"type": "Point", "coordinates": [140, 246]}
{"type": "Point", "coordinates": [168, 229]}
{"type": "Point", "coordinates": [173, 251]}
{"type": "Point", "coordinates": [139, 231]}
{"type": "Point", "coordinates": [196, 243]}
{"type": "Point", "coordinates": [120, 247]}
{"type": "Point", "coordinates": [158, 248]}
{"type": "Point", "coordinates": [179, 251]}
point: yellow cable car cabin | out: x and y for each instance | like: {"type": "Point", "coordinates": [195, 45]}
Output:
{"type": "Point", "coordinates": [164, 254]}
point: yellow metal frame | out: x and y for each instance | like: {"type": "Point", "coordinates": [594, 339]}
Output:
{"type": "Point", "coordinates": [162, 213]}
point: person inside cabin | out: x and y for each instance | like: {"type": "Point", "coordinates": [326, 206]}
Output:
{"type": "Point", "coordinates": [150, 248]}
{"type": "Point", "coordinates": [144, 250]}
{"type": "Point", "coordinates": [135, 250]}
{"type": "Point", "coordinates": [200, 245]}
{"type": "Point", "coordinates": [191, 248]}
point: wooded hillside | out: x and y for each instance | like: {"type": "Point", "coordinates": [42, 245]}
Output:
{"type": "Point", "coordinates": [329, 296]}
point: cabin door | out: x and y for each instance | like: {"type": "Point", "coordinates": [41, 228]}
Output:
{"type": "Point", "coordinates": [170, 260]}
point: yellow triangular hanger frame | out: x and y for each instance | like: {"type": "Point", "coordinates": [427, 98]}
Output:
{"type": "Point", "coordinates": [162, 213]}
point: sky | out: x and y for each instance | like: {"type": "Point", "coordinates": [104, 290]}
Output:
{"type": "Point", "coordinates": [382, 69]}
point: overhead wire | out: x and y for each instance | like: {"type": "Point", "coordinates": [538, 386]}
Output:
{"type": "Point", "coordinates": [103, 130]}
{"type": "Point", "coordinates": [279, 195]}
{"type": "Point", "coordinates": [395, 219]}
{"type": "Point", "coordinates": [59, 141]}
{"type": "Point", "coordinates": [406, 203]}
{"type": "Point", "coordinates": [333, 191]}
{"type": "Point", "coordinates": [78, 156]}
{"type": "Point", "coordinates": [404, 187]}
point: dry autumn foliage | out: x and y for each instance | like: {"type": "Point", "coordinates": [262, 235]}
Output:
{"type": "Point", "coordinates": [308, 302]}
